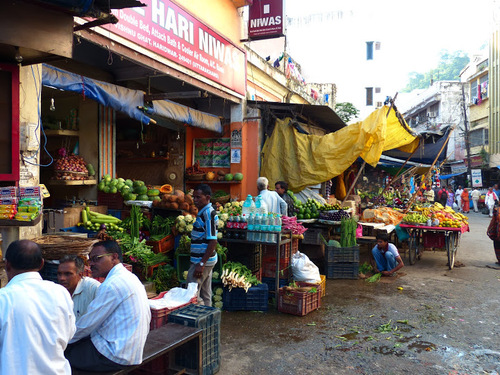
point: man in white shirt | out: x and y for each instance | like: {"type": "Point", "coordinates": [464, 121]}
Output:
{"type": "Point", "coordinates": [458, 197]}
{"type": "Point", "coordinates": [81, 289]}
{"type": "Point", "coordinates": [112, 334]}
{"type": "Point", "coordinates": [36, 316]}
{"type": "Point", "coordinates": [475, 195]}
{"type": "Point", "coordinates": [275, 204]}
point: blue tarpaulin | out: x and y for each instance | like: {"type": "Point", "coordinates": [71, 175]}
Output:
{"type": "Point", "coordinates": [117, 97]}
{"type": "Point", "coordinates": [447, 176]}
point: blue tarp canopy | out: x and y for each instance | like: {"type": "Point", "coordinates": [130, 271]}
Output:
{"type": "Point", "coordinates": [447, 176]}
{"type": "Point", "coordinates": [117, 97]}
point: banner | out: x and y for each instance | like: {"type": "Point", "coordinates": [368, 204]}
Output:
{"type": "Point", "coordinates": [265, 19]}
{"type": "Point", "coordinates": [213, 152]}
{"type": "Point", "coordinates": [170, 31]}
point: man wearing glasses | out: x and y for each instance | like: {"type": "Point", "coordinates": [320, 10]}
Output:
{"type": "Point", "coordinates": [112, 334]}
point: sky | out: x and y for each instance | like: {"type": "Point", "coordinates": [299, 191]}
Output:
{"type": "Point", "coordinates": [331, 48]}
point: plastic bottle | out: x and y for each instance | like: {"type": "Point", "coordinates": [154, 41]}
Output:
{"type": "Point", "coordinates": [250, 227]}
{"type": "Point", "coordinates": [237, 220]}
{"type": "Point", "coordinates": [260, 205]}
{"type": "Point", "coordinates": [248, 206]}
{"type": "Point", "coordinates": [257, 227]}
{"type": "Point", "coordinates": [266, 227]}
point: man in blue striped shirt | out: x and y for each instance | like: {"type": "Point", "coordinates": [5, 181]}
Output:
{"type": "Point", "coordinates": [203, 243]}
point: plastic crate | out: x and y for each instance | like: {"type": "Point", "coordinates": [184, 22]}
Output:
{"type": "Point", "coordinates": [342, 270]}
{"type": "Point", "coordinates": [207, 319]}
{"type": "Point", "coordinates": [270, 251]}
{"type": "Point", "coordinates": [239, 300]}
{"type": "Point", "coordinates": [49, 270]}
{"type": "Point", "coordinates": [271, 283]}
{"type": "Point", "coordinates": [342, 254]}
{"type": "Point", "coordinates": [298, 303]}
{"type": "Point", "coordinates": [159, 317]}
{"type": "Point", "coordinates": [269, 267]}
{"type": "Point", "coordinates": [115, 213]}
{"type": "Point", "coordinates": [112, 201]}
{"type": "Point", "coordinates": [77, 229]}
{"type": "Point", "coordinates": [165, 245]}
{"type": "Point", "coordinates": [183, 263]}
{"type": "Point", "coordinates": [432, 239]}
{"type": "Point", "coordinates": [295, 245]}
{"type": "Point", "coordinates": [249, 255]}
{"type": "Point", "coordinates": [312, 236]}
{"type": "Point", "coordinates": [321, 286]}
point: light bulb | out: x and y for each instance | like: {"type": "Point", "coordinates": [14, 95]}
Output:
{"type": "Point", "coordinates": [52, 105]}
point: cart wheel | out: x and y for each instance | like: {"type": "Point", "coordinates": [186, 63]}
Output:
{"type": "Point", "coordinates": [451, 248]}
{"type": "Point", "coordinates": [412, 249]}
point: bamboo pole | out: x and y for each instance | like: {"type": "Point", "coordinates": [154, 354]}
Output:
{"type": "Point", "coordinates": [354, 182]}
{"type": "Point", "coordinates": [430, 169]}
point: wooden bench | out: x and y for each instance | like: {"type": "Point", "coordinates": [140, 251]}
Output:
{"type": "Point", "coordinates": [160, 342]}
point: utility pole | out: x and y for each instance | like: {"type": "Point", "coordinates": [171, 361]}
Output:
{"type": "Point", "coordinates": [466, 130]}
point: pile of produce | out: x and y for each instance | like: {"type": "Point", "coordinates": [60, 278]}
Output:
{"type": "Point", "coordinates": [291, 224]}
{"type": "Point", "coordinates": [446, 216]}
{"type": "Point", "coordinates": [195, 171]}
{"type": "Point", "coordinates": [229, 208]}
{"type": "Point", "coordinates": [236, 275]}
{"type": "Point", "coordinates": [329, 207]}
{"type": "Point", "coordinates": [308, 210]}
{"type": "Point", "coordinates": [72, 167]}
{"type": "Point", "coordinates": [184, 223]}
{"type": "Point", "coordinates": [129, 190]}
{"type": "Point", "coordinates": [93, 221]}
{"type": "Point", "coordinates": [336, 215]}
{"type": "Point", "coordinates": [178, 200]}
{"type": "Point", "coordinates": [160, 227]}
{"type": "Point", "coordinates": [415, 218]}
{"type": "Point", "coordinates": [348, 232]}
{"type": "Point", "coordinates": [384, 215]}
{"type": "Point", "coordinates": [217, 298]}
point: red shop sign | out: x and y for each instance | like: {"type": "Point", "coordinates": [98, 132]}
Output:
{"type": "Point", "coordinates": [265, 19]}
{"type": "Point", "coordinates": [170, 31]}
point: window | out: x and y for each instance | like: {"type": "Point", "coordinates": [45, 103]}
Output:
{"type": "Point", "coordinates": [479, 86]}
{"type": "Point", "coordinates": [483, 83]}
{"type": "Point", "coordinates": [369, 50]}
{"type": "Point", "coordinates": [369, 96]}
{"type": "Point", "coordinates": [377, 90]}
{"type": "Point", "coordinates": [377, 46]}
{"type": "Point", "coordinates": [478, 137]}
{"type": "Point", "coordinates": [379, 104]}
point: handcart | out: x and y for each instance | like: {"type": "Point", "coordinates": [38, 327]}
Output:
{"type": "Point", "coordinates": [422, 236]}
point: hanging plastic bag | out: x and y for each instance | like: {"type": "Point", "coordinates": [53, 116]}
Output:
{"type": "Point", "coordinates": [304, 270]}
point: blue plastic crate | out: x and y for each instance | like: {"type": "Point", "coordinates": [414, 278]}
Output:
{"type": "Point", "coordinates": [342, 254]}
{"type": "Point", "coordinates": [253, 300]}
{"type": "Point", "coordinates": [342, 270]}
{"type": "Point", "coordinates": [207, 319]}
{"type": "Point", "coordinates": [115, 213]}
{"type": "Point", "coordinates": [271, 283]}
{"type": "Point", "coordinates": [76, 229]}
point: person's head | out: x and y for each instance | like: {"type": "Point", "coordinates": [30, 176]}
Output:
{"type": "Point", "coordinates": [495, 186]}
{"type": "Point", "coordinates": [450, 188]}
{"type": "Point", "coordinates": [103, 257]}
{"type": "Point", "coordinates": [70, 272]}
{"type": "Point", "coordinates": [201, 195]}
{"type": "Point", "coordinates": [262, 183]}
{"type": "Point", "coordinates": [459, 187]}
{"type": "Point", "coordinates": [281, 187]}
{"type": "Point", "coordinates": [382, 239]}
{"type": "Point", "coordinates": [22, 256]}
{"type": "Point", "coordinates": [490, 188]}
{"type": "Point", "coordinates": [465, 190]}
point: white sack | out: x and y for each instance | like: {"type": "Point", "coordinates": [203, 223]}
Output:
{"type": "Point", "coordinates": [304, 270]}
{"type": "Point", "coordinates": [175, 297]}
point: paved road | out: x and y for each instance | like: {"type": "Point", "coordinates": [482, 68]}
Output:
{"type": "Point", "coordinates": [452, 323]}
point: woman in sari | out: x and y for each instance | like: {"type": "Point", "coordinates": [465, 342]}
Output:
{"type": "Point", "coordinates": [493, 233]}
{"type": "Point", "coordinates": [465, 201]}
{"type": "Point", "coordinates": [451, 197]}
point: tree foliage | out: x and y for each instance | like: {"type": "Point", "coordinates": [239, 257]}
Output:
{"type": "Point", "coordinates": [448, 69]}
{"type": "Point", "coordinates": [346, 111]}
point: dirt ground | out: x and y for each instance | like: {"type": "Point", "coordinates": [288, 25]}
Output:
{"type": "Point", "coordinates": [441, 322]}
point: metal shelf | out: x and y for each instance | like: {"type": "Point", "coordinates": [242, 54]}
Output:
{"type": "Point", "coordinates": [73, 182]}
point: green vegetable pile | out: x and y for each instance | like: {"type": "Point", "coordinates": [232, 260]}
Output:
{"type": "Point", "coordinates": [236, 275]}
{"type": "Point", "coordinates": [164, 278]}
{"type": "Point", "coordinates": [161, 227]}
{"type": "Point", "coordinates": [375, 278]}
{"type": "Point", "coordinates": [348, 232]}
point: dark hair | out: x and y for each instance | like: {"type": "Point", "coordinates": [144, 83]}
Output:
{"type": "Point", "coordinates": [382, 236]}
{"type": "Point", "coordinates": [79, 263]}
{"type": "Point", "coordinates": [24, 255]}
{"type": "Point", "coordinates": [282, 184]}
{"type": "Point", "coordinates": [204, 188]}
{"type": "Point", "coordinates": [111, 247]}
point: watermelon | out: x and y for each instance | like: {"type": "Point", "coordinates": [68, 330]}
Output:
{"type": "Point", "coordinates": [138, 183]}
{"type": "Point", "coordinates": [142, 197]}
{"type": "Point", "coordinates": [130, 197]}
{"type": "Point", "coordinates": [228, 177]}
{"type": "Point", "coordinates": [141, 190]}
{"type": "Point", "coordinates": [238, 177]}
{"type": "Point", "coordinates": [153, 192]}
{"type": "Point", "coordinates": [129, 183]}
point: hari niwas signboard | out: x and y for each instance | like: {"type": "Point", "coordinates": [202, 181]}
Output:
{"type": "Point", "coordinates": [265, 19]}
{"type": "Point", "coordinates": [167, 29]}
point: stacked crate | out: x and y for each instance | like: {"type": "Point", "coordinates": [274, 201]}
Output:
{"type": "Point", "coordinates": [250, 255]}
{"type": "Point", "coordinates": [269, 265]}
{"type": "Point", "coordinates": [342, 262]}
{"type": "Point", "coordinates": [207, 319]}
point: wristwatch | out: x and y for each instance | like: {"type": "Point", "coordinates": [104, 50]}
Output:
{"type": "Point", "coordinates": [202, 264]}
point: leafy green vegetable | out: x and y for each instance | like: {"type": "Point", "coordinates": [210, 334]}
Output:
{"type": "Point", "coordinates": [164, 278]}
{"type": "Point", "coordinates": [365, 268]}
{"type": "Point", "coordinates": [375, 278]}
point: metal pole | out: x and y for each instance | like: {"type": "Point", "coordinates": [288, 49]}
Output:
{"type": "Point", "coordinates": [467, 143]}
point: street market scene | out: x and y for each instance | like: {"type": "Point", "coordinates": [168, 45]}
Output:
{"type": "Point", "coordinates": [184, 191]}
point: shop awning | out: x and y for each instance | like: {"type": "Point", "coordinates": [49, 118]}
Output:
{"type": "Point", "coordinates": [117, 97]}
{"type": "Point", "coordinates": [175, 111]}
{"type": "Point", "coordinates": [304, 160]}
{"type": "Point", "coordinates": [447, 176]}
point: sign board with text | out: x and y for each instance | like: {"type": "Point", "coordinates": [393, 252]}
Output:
{"type": "Point", "coordinates": [165, 28]}
{"type": "Point", "coordinates": [213, 152]}
{"type": "Point", "coordinates": [265, 19]}
{"type": "Point", "coordinates": [477, 178]}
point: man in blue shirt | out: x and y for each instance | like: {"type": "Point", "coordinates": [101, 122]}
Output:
{"type": "Point", "coordinates": [203, 243]}
{"type": "Point", "coordinates": [386, 256]}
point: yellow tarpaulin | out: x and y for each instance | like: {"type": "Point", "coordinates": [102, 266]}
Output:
{"type": "Point", "coordinates": [303, 160]}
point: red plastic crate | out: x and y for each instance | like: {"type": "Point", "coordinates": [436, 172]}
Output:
{"type": "Point", "coordinates": [88, 273]}
{"type": "Point", "coordinates": [320, 286]}
{"type": "Point", "coordinates": [295, 245]}
{"type": "Point", "coordinates": [269, 267]}
{"type": "Point", "coordinates": [298, 303]}
{"type": "Point", "coordinates": [270, 251]}
{"type": "Point", "coordinates": [258, 274]}
{"type": "Point", "coordinates": [113, 201]}
{"type": "Point", "coordinates": [432, 239]}
{"type": "Point", "coordinates": [165, 245]}
{"type": "Point", "coordinates": [159, 317]}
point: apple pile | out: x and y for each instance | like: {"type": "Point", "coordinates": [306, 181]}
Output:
{"type": "Point", "coordinates": [70, 167]}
